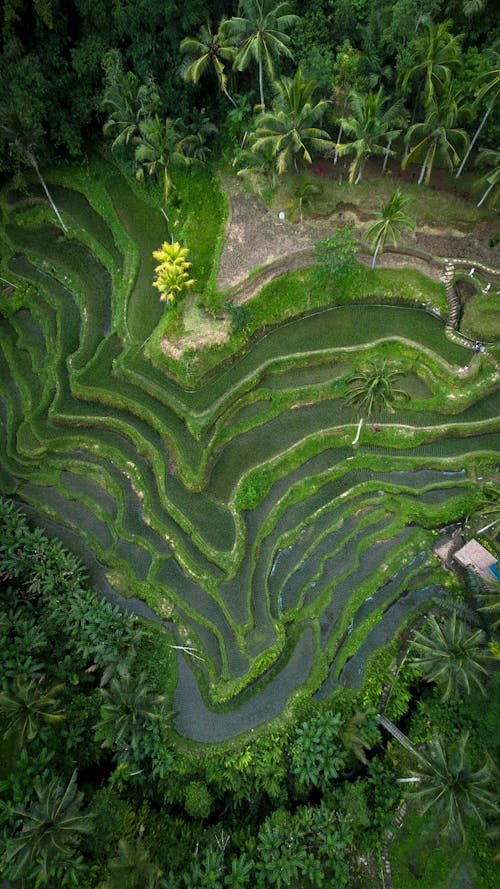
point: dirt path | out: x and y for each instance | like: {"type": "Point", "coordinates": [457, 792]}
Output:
{"type": "Point", "coordinates": [257, 241]}
{"type": "Point", "coordinates": [256, 236]}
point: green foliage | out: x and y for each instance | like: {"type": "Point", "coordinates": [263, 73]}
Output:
{"type": "Point", "coordinates": [198, 802]}
{"type": "Point", "coordinates": [47, 835]}
{"type": "Point", "coordinates": [449, 784]}
{"type": "Point", "coordinates": [317, 757]}
{"type": "Point", "coordinates": [452, 655]}
{"type": "Point", "coordinates": [372, 389]}
{"type": "Point", "coordinates": [336, 255]}
{"type": "Point", "coordinates": [24, 705]}
{"type": "Point", "coordinates": [309, 846]}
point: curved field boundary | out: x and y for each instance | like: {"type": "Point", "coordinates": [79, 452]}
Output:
{"type": "Point", "coordinates": [239, 511]}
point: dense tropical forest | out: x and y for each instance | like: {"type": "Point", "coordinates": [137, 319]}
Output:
{"type": "Point", "coordinates": [250, 363]}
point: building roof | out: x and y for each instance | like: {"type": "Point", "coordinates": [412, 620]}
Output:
{"type": "Point", "coordinates": [475, 555]}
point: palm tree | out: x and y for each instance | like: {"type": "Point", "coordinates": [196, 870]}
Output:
{"type": "Point", "coordinates": [260, 30]}
{"type": "Point", "coordinates": [26, 705]}
{"type": "Point", "coordinates": [126, 100]}
{"type": "Point", "coordinates": [437, 137]}
{"type": "Point", "coordinates": [446, 780]}
{"type": "Point", "coordinates": [209, 50]}
{"type": "Point", "coordinates": [22, 135]}
{"type": "Point", "coordinates": [128, 703]}
{"type": "Point", "coordinates": [50, 832]}
{"type": "Point", "coordinates": [372, 388]}
{"type": "Point", "coordinates": [371, 127]}
{"type": "Point", "coordinates": [489, 85]}
{"type": "Point", "coordinates": [198, 132]}
{"type": "Point", "coordinates": [171, 274]}
{"type": "Point", "coordinates": [440, 53]}
{"type": "Point", "coordinates": [450, 654]}
{"type": "Point", "coordinates": [491, 157]}
{"type": "Point", "coordinates": [354, 739]}
{"type": "Point", "coordinates": [159, 146]}
{"type": "Point", "coordinates": [288, 131]}
{"type": "Point", "coordinates": [303, 194]}
{"type": "Point", "coordinates": [390, 222]}
{"type": "Point", "coordinates": [132, 866]}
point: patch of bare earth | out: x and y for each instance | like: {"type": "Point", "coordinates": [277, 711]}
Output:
{"type": "Point", "coordinates": [201, 330]}
{"type": "Point", "coordinates": [257, 241]}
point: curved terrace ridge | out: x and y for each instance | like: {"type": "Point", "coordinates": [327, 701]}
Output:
{"type": "Point", "coordinates": [240, 511]}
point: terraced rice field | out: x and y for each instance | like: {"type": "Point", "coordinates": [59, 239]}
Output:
{"type": "Point", "coordinates": [239, 512]}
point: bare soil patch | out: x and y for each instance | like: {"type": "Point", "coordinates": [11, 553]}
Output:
{"type": "Point", "coordinates": [256, 236]}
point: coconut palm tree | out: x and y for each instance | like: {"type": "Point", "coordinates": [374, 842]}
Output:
{"type": "Point", "coordinates": [128, 703]}
{"type": "Point", "coordinates": [26, 705]}
{"type": "Point", "coordinates": [209, 50]}
{"type": "Point", "coordinates": [390, 222]}
{"type": "Point", "coordinates": [446, 781]}
{"type": "Point", "coordinates": [490, 157]}
{"type": "Point", "coordinates": [372, 388]}
{"type": "Point", "coordinates": [159, 146]}
{"type": "Point", "coordinates": [260, 30]}
{"type": "Point", "coordinates": [171, 274]}
{"type": "Point", "coordinates": [132, 867]}
{"type": "Point", "coordinates": [49, 834]}
{"type": "Point", "coordinates": [22, 135]}
{"type": "Point", "coordinates": [371, 127]}
{"type": "Point", "coordinates": [489, 85]}
{"type": "Point", "coordinates": [288, 131]}
{"type": "Point", "coordinates": [437, 137]}
{"type": "Point", "coordinates": [450, 654]}
{"type": "Point", "coordinates": [440, 55]}
{"type": "Point", "coordinates": [126, 100]}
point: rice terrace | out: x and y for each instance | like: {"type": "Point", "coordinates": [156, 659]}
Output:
{"type": "Point", "coordinates": [227, 497]}
{"type": "Point", "coordinates": [249, 444]}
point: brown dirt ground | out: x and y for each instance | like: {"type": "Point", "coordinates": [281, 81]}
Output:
{"type": "Point", "coordinates": [255, 236]}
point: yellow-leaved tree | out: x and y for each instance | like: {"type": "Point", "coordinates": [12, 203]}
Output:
{"type": "Point", "coordinates": [172, 277]}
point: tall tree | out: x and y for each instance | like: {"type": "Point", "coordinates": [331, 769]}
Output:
{"type": "Point", "coordinates": [449, 784]}
{"type": "Point", "coordinates": [371, 126]}
{"type": "Point", "coordinates": [260, 29]}
{"type": "Point", "coordinates": [208, 50]}
{"type": "Point", "coordinates": [126, 100]}
{"type": "Point", "coordinates": [438, 136]}
{"type": "Point", "coordinates": [488, 84]}
{"type": "Point", "coordinates": [48, 836]}
{"type": "Point", "coordinates": [439, 52]}
{"type": "Point", "coordinates": [26, 705]}
{"type": "Point", "coordinates": [288, 131]}
{"type": "Point", "coordinates": [452, 655]}
{"type": "Point", "coordinates": [391, 221]}
{"type": "Point", "coordinates": [128, 703]}
{"type": "Point", "coordinates": [132, 867]}
{"type": "Point", "coordinates": [159, 146]}
{"type": "Point", "coordinates": [491, 158]}
{"type": "Point", "coordinates": [22, 137]}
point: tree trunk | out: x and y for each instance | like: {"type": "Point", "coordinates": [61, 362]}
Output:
{"type": "Point", "coordinates": [339, 137]}
{"type": "Point", "coordinates": [471, 146]}
{"type": "Point", "coordinates": [261, 85]}
{"type": "Point", "coordinates": [424, 166]}
{"type": "Point", "coordinates": [33, 161]}
{"type": "Point", "coordinates": [386, 156]}
{"type": "Point", "coordinates": [229, 97]}
{"type": "Point", "coordinates": [360, 173]}
{"type": "Point", "coordinates": [485, 195]}
{"type": "Point", "coordinates": [377, 248]}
